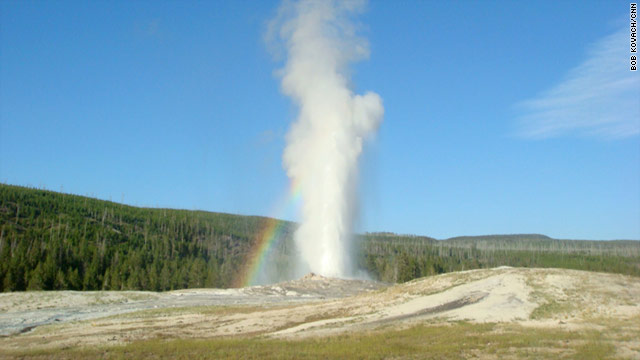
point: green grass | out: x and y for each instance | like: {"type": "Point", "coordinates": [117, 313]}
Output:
{"type": "Point", "coordinates": [457, 341]}
{"type": "Point", "coordinates": [551, 308]}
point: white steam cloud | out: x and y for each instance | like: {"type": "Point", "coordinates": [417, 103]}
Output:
{"type": "Point", "coordinates": [324, 143]}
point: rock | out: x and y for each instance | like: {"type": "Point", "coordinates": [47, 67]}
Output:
{"type": "Point", "coordinates": [313, 277]}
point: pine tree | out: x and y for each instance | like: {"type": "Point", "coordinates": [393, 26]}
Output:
{"type": "Point", "coordinates": [36, 281]}
{"type": "Point", "coordinates": [61, 281]}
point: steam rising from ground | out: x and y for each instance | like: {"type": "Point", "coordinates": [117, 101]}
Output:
{"type": "Point", "coordinates": [324, 143]}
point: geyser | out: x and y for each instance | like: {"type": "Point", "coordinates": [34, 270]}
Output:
{"type": "Point", "coordinates": [326, 139]}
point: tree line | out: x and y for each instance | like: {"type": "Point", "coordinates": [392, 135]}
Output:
{"type": "Point", "coordinates": [398, 258]}
{"type": "Point", "coordinates": [54, 241]}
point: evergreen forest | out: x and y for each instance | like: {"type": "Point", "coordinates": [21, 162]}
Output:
{"type": "Point", "coordinates": [55, 241]}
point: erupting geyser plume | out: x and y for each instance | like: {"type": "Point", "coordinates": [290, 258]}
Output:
{"type": "Point", "coordinates": [324, 143]}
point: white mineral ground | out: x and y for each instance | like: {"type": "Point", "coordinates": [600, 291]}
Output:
{"type": "Point", "coordinates": [319, 306]}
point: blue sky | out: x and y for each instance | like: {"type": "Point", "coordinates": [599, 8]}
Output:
{"type": "Point", "coordinates": [500, 117]}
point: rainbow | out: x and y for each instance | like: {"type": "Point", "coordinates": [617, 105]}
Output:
{"type": "Point", "coordinates": [270, 232]}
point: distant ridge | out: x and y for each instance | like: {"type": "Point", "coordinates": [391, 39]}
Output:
{"type": "Point", "coordinates": [484, 238]}
{"type": "Point", "coordinates": [511, 237]}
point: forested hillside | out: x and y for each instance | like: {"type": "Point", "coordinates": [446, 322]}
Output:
{"type": "Point", "coordinates": [396, 258]}
{"type": "Point", "coordinates": [50, 241]}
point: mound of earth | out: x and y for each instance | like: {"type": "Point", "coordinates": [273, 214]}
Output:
{"type": "Point", "coordinates": [317, 286]}
{"type": "Point", "coordinates": [319, 306]}
{"type": "Point", "coordinates": [21, 312]}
